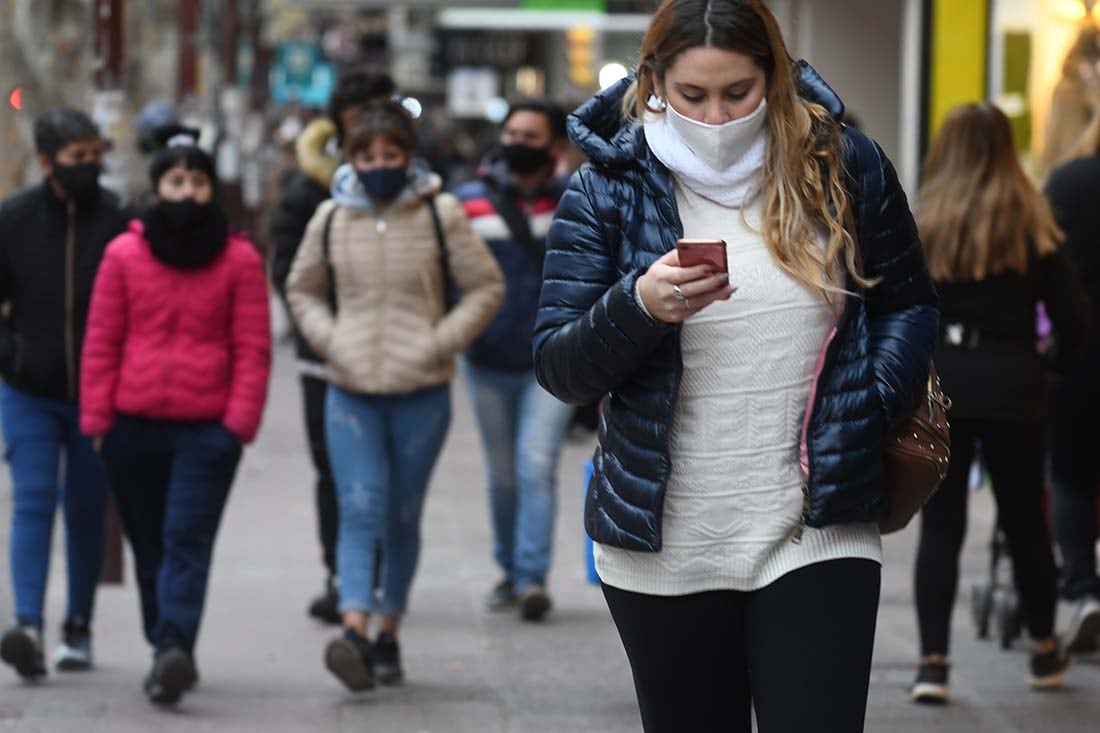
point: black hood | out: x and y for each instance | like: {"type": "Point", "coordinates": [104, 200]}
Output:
{"type": "Point", "coordinates": [600, 131]}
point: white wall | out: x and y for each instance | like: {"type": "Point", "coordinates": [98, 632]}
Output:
{"type": "Point", "coordinates": [869, 52]}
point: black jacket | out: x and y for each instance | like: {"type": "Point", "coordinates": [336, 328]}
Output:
{"type": "Point", "coordinates": [592, 340]}
{"type": "Point", "coordinates": [988, 360]}
{"type": "Point", "coordinates": [1073, 192]}
{"type": "Point", "coordinates": [300, 198]}
{"type": "Point", "coordinates": [49, 255]}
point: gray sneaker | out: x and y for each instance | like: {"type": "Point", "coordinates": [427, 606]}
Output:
{"type": "Point", "coordinates": [21, 647]}
{"type": "Point", "coordinates": [1083, 633]}
{"type": "Point", "coordinates": [502, 597]}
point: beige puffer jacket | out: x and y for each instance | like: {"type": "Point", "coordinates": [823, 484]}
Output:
{"type": "Point", "coordinates": [392, 332]}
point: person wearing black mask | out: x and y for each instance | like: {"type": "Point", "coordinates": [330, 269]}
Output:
{"type": "Point", "coordinates": [522, 426]}
{"type": "Point", "coordinates": [52, 238]}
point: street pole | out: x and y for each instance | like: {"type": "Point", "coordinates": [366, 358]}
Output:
{"type": "Point", "coordinates": [109, 113]}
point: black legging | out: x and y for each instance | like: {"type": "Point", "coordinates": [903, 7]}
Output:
{"type": "Point", "coordinates": [1013, 454]}
{"type": "Point", "coordinates": [799, 651]}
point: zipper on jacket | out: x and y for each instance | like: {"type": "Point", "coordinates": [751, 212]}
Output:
{"type": "Point", "coordinates": [70, 299]}
{"type": "Point", "coordinates": [801, 528]}
{"type": "Point", "coordinates": [381, 228]}
{"type": "Point", "coordinates": [830, 356]}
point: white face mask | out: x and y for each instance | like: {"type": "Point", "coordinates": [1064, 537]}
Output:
{"type": "Point", "coordinates": [719, 146]}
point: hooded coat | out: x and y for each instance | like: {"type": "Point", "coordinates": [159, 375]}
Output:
{"type": "Point", "coordinates": [593, 340]}
{"type": "Point", "coordinates": [392, 331]}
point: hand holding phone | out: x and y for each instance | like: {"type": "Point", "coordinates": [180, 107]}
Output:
{"type": "Point", "coordinates": [685, 280]}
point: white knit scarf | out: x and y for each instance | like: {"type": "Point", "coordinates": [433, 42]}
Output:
{"type": "Point", "coordinates": [733, 187]}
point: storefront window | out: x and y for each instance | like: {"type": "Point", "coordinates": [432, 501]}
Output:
{"type": "Point", "coordinates": [1044, 72]}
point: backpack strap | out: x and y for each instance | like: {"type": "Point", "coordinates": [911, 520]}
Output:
{"type": "Point", "coordinates": [515, 220]}
{"type": "Point", "coordinates": [326, 253]}
{"type": "Point", "coordinates": [441, 243]}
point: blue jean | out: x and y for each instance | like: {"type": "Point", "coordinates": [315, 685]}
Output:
{"type": "Point", "coordinates": [171, 480]}
{"type": "Point", "coordinates": [382, 450]}
{"type": "Point", "coordinates": [37, 431]}
{"type": "Point", "coordinates": [522, 429]}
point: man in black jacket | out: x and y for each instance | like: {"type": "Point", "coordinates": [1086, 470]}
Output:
{"type": "Point", "coordinates": [52, 237]}
{"type": "Point", "coordinates": [303, 192]}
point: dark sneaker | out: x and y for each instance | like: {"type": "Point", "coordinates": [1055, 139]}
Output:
{"type": "Point", "coordinates": [21, 647]}
{"type": "Point", "coordinates": [350, 658]}
{"type": "Point", "coordinates": [173, 674]}
{"type": "Point", "coordinates": [502, 597]}
{"type": "Point", "coordinates": [534, 603]}
{"type": "Point", "coordinates": [387, 660]}
{"type": "Point", "coordinates": [931, 685]}
{"type": "Point", "coordinates": [1083, 633]}
{"type": "Point", "coordinates": [74, 654]}
{"type": "Point", "coordinates": [1048, 670]}
{"type": "Point", "coordinates": [326, 607]}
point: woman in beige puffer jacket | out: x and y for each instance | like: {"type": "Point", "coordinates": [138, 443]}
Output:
{"type": "Point", "coordinates": [389, 340]}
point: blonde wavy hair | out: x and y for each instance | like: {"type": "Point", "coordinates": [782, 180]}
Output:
{"type": "Point", "coordinates": [979, 214]}
{"type": "Point", "coordinates": [804, 176]}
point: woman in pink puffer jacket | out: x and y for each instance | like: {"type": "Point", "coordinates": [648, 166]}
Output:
{"type": "Point", "coordinates": [175, 369]}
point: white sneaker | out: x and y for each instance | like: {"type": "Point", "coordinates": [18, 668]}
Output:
{"type": "Point", "coordinates": [74, 654]}
{"type": "Point", "coordinates": [1083, 633]}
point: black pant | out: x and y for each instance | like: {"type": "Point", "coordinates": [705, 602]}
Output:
{"type": "Point", "coordinates": [1075, 435]}
{"type": "Point", "coordinates": [328, 511]}
{"type": "Point", "coordinates": [171, 481]}
{"type": "Point", "coordinates": [1013, 453]}
{"type": "Point", "coordinates": [799, 651]}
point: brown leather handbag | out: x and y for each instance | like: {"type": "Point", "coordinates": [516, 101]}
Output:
{"type": "Point", "coordinates": [917, 454]}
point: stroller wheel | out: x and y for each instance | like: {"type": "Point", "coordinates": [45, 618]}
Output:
{"type": "Point", "coordinates": [981, 608]}
{"type": "Point", "coordinates": [1009, 622]}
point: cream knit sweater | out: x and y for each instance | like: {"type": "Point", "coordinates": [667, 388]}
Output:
{"type": "Point", "coordinates": [734, 498]}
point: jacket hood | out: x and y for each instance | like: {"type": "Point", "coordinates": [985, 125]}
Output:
{"type": "Point", "coordinates": [309, 148]}
{"type": "Point", "coordinates": [347, 191]}
{"type": "Point", "coordinates": [600, 131]}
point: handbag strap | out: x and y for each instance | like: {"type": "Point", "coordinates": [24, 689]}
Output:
{"type": "Point", "coordinates": [441, 243]}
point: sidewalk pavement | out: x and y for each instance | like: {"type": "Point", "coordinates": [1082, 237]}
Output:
{"type": "Point", "coordinates": [260, 657]}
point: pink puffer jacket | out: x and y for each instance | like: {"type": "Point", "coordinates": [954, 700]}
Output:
{"type": "Point", "coordinates": [174, 344]}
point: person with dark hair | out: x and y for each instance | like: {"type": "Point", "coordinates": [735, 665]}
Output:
{"type": "Point", "coordinates": [52, 238]}
{"type": "Point", "coordinates": [175, 368]}
{"type": "Point", "coordinates": [746, 395]}
{"type": "Point", "coordinates": [305, 190]}
{"type": "Point", "coordinates": [370, 290]}
{"type": "Point", "coordinates": [522, 426]}
{"type": "Point", "coordinates": [1075, 402]}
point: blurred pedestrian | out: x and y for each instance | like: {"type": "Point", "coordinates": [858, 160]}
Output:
{"type": "Point", "coordinates": [175, 369]}
{"type": "Point", "coordinates": [369, 291]}
{"type": "Point", "coordinates": [1075, 403]}
{"type": "Point", "coordinates": [52, 238]}
{"type": "Point", "coordinates": [739, 471]}
{"type": "Point", "coordinates": [305, 190]}
{"type": "Point", "coordinates": [522, 426]}
{"type": "Point", "coordinates": [993, 250]}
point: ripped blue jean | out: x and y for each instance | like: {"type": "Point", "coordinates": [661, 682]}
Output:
{"type": "Point", "coordinates": [382, 450]}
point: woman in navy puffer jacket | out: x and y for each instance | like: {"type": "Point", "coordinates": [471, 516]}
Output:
{"type": "Point", "coordinates": [739, 470]}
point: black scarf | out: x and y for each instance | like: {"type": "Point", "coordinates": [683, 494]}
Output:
{"type": "Point", "coordinates": [190, 243]}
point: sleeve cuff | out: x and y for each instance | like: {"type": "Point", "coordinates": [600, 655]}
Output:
{"type": "Point", "coordinates": [638, 299]}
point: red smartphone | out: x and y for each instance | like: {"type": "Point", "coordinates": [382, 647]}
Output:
{"type": "Point", "coordinates": [703, 252]}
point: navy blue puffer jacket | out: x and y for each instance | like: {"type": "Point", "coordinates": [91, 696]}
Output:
{"type": "Point", "coordinates": [593, 341]}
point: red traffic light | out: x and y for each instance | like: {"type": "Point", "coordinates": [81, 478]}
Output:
{"type": "Point", "coordinates": [16, 98]}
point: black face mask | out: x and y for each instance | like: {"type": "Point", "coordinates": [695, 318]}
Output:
{"type": "Point", "coordinates": [185, 233]}
{"type": "Point", "coordinates": [523, 159]}
{"type": "Point", "coordinates": [80, 182]}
